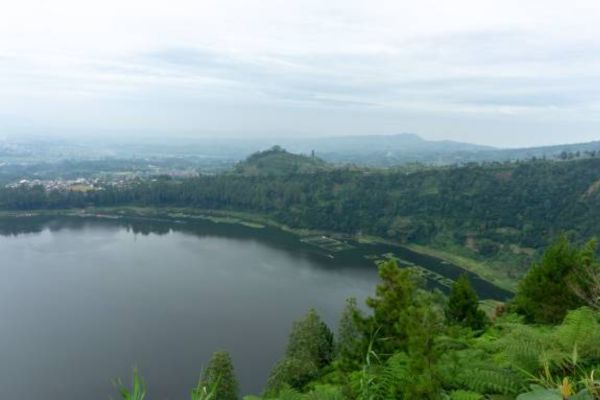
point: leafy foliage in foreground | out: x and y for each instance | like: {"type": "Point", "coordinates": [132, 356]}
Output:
{"type": "Point", "coordinates": [544, 295]}
{"type": "Point", "coordinates": [218, 382]}
{"type": "Point", "coordinates": [138, 388]}
{"type": "Point", "coordinates": [417, 344]}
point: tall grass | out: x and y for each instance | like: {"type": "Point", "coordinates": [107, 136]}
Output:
{"type": "Point", "coordinates": [138, 389]}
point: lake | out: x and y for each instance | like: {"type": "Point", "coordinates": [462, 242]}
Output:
{"type": "Point", "coordinates": [83, 300]}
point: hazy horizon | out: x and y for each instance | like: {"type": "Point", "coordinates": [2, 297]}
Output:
{"type": "Point", "coordinates": [263, 141]}
{"type": "Point", "coordinates": [499, 73]}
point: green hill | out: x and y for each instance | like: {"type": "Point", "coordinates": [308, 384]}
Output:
{"type": "Point", "coordinates": [276, 161]}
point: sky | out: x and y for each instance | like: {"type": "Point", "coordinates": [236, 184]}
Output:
{"type": "Point", "coordinates": [505, 73]}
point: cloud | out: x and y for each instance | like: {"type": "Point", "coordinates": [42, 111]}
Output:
{"type": "Point", "coordinates": [275, 63]}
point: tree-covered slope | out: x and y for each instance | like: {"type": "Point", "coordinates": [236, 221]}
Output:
{"type": "Point", "coordinates": [499, 211]}
{"type": "Point", "coordinates": [278, 162]}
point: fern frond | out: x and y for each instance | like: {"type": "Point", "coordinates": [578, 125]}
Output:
{"type": "Point", "coordinates": [581, 330]}
{"type": "Point", "coordinates": [465, 395]}
{"type": "Point", "coordinates": [492, 381]}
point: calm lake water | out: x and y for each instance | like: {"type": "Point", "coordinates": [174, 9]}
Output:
{"type": "Point", "coordinates": [82, 301]}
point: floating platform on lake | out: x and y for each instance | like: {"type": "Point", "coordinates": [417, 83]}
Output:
{"type": "Point", "coordinates": [422, 271]}
{"type": "Point", "coordinates": [327, 243]}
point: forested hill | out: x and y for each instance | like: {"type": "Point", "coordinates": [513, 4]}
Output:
{"type": "Point", "coordinates": [499, 211]}
{"type": "Point", "coordinates": [277, 161]}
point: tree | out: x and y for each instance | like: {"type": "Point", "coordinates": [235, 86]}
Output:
{"type": "Point", "coordinates": [585, 281]}
{"type": "Point", "coordinates": [220, 373]}
{"type": "Point", "coordinates": [312, 339]}
{"type": "Point", "coordinates": [463, 305]}
{"type": "Point", "coordinates": [401, 354]}
{"type": "Point", "coordinates": [310, 348]}
{"type": "Point", "coordinates": [424, 322]}
{"type": "Point", "coordinates": [393, 296]}
{"type": "Point", "coordinates": [349, 335]}
{"type": "Point", "coordinates": [544, 295]}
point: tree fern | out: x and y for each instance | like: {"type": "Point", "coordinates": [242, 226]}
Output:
{"type": "Point", "coordinates": [581, 330]}
{"type": "Point", "coordinates": [489, 380]}
{"type": "Point", "coordinates": [522, 348]}
{"type": "Point", "coordinates": [394, 375]}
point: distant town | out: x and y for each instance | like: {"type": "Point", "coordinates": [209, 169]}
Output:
{"type": "Point", "coordinates": [76, 185]}
{"type": "Point", "coordinates": [95, 184]}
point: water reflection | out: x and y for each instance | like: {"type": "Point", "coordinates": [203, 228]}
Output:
{"type": "Point", "coordinates": [84, 299]}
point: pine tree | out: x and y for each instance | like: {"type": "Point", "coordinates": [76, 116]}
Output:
{"type": "Point", "coordinates": [311, 339]}
{"type": "Point", "coordinates": [310, 348]}
{"type": "Point", "coordinates": [424, 322]}
{"type": "Point", "coordinates": [349, 335]}
{"type": "Point", "coordinates": [463, 305]}
{"type": "Point", "coordinates": [397, 291]}
{"type": "Point", "coordinates": [401, 354]}
{"type": "Point", "coordinates": [220, 373]}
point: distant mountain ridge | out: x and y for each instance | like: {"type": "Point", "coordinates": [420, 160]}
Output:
{"type": "Point", "coordinates": [403, 141]}
{"type": "Point", "coordinates": [367, 150]}
{"type": "Point", "coordinates": [592, 148]}
{"type": "Point", "coordinates": [391, 150]}
{"type": "Point", "coordinates": [386, 150]}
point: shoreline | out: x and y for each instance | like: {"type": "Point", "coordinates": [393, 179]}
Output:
{"type": "Point", "coordinates": [256, 221]}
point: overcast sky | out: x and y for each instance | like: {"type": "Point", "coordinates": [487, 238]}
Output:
{"type": "Point", "coordinates": [506, 72]}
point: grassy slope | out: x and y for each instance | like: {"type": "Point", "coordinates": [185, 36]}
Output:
{"type": "Point", "coordinates": [485, 269]}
